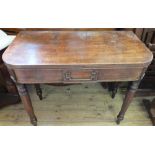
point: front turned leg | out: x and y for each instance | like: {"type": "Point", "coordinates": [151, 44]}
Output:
{"type": "Point", "coordinates": [27, 103]}
{"type": "Point", "coordinates": [133, 86]}
{"type": "Point", "coordinates": [39, 91]}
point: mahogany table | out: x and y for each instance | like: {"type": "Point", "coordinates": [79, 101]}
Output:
{"type": "Point", "coordinates": [37, 57]}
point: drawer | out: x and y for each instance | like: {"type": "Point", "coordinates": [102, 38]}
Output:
{"type": "Point", "coordinates": [101, 75]}
{"type": "Point", "coordinates": [80, 75]}
{"type": "Point", "coordinates": [77, 75]}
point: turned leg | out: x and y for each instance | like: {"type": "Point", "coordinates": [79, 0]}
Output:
{"type": "Point", "coordinates": [39, 91]}
{"type": "Point", "coordinates": [27, 102]}
{"type": "Point", "coordinates": [113, 87]}
{"type": "Point", "coordinates": [127, 100]}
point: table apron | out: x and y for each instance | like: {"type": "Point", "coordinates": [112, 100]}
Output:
{"type": "Point", "coordinates": [76, 75]}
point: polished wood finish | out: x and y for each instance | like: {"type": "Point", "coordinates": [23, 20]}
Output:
{"type": "Point", "coordinates": [53, 49]}
{"type": "Point", "coordinates": [78, 73]}
{"type": "Point", "coordinates": [75, 57]}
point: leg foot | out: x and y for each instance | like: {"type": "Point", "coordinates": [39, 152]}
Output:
{"type": "Point", "coordinates": [39, 91]}
{"type": "Point", "coordinates": [119, 118]}
{"type": "Point", "coordinates": [33, 120]}
{"type": "Point", "coordinates": [113, 87]}
{"type": "Point", "coordinates": [113, 94]}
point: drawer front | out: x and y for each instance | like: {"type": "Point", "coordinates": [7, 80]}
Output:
{"type": "Point", "coordinates": [101, 75]}
{"type": "Point", "coordinates": [80, 75]}
{"type": "Point", "coordinates": [38, 75]}
{"type": "Point", "coordinates": [76, 75]}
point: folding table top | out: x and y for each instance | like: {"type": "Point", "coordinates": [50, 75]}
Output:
{"type": "Point", "coordinates": [53, 48]}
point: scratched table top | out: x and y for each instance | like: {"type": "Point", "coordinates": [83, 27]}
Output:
{"type": "Point", "coordinates": [39, 48]}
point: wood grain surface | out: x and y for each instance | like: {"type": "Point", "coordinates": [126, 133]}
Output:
{"type": "Point", "coordinates": [43, 48]}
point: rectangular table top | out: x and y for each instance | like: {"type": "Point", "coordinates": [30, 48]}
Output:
{"type": "Point", "coordinates": [54, 48]}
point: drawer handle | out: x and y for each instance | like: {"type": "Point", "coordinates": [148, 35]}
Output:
{"type": "Point", "coordinates": [68, 77]}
